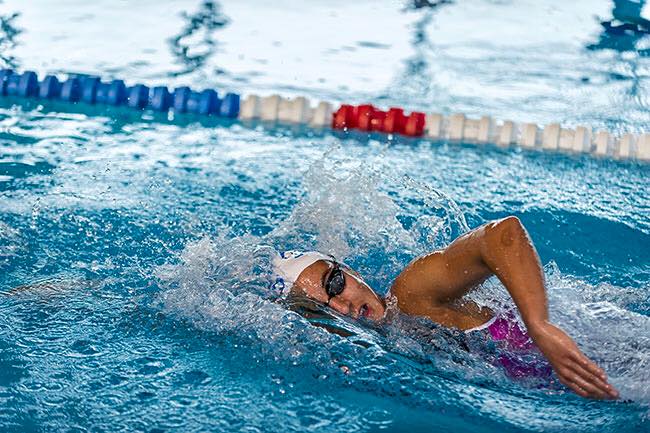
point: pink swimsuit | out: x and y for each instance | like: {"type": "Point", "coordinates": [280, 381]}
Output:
{"type": "Point", "coordinates": [506, 330]}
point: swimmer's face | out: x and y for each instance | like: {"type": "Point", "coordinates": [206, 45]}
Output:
{"type": "Point", "coordinates": [356, 299]}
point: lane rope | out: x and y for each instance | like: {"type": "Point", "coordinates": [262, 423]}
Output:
{"type": "Point", "coordinates": [88, 89]}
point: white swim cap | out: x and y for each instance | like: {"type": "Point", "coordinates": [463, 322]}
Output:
{"type": "Point", "coordinates": [288, 266]}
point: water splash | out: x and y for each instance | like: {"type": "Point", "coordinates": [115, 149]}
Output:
{"type": "Point", "coordinates": [606, 330]}
{"type": "Point", "coordinates": [377, 221]}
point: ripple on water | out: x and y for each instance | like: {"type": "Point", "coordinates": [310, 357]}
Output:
{"type": "Point", "coordinates": [181, 332]}
{"type": "Point", "coordinates": [194, 378]}
{"type": "Point", "coordinates": [83, 348]}
{"type": "Point", "coordinates": [378, 418]}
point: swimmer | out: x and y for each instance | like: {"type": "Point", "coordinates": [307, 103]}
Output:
{"type": "Point", "coordinates": [434, 284]}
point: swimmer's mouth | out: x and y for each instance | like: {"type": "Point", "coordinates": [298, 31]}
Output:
{"type": "Point", "coordinates": [364, 311]}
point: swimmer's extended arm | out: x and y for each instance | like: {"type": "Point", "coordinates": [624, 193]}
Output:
{"type": "Point", "coordinates": [501, 248]}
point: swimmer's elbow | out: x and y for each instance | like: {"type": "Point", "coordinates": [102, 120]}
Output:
{"type": "Point", "coordinates": [503, 233]}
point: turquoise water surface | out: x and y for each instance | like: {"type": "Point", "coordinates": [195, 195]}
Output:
{"type": "Point", "coordinates": [134, 250]}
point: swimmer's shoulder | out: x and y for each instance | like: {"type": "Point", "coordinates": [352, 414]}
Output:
{"type": "Point", "coordinates": [416, 287]}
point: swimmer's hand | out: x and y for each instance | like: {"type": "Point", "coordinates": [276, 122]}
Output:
{"type": "Point", "coordinates": [573, 368]}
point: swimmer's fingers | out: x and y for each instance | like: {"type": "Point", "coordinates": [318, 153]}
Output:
{"type": "Point", "coordinates": [577, 372]}
{"type": "Point", "coordinates": [591, 373]}
{"type": "Point", "coordinates": [594, 383]}
{"type": "Point", "coordinates": [573, 368]}
{"type": "Point", "coordinates": [587, 364]}
{"type": "Point", "coordinates": [578, 382]}
{"type": "Point", "coordinates": [575, 388]}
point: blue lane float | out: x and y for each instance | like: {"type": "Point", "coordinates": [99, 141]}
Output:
{"type": "Point", "coordinates": [89, 89]}
{"type": "Point", "coordinates": [71, 90]}
{"type": "Point", "coordinates": [181, 95]}
{"type": "Point", "coordinates": [209, 102]}
{"type": "Point", "coordinates": [92, 90]}
{"type": "Point", "coordinates": [160, 99]}
{"type": "Point", "coordinates": [49, 88]}
{"type": "Point", "coordinates": [25, 84]}
{"type": "Point", "coordinates": [4, 80]}
{"type": "Point", "coordinates": [230, 106]}
{"type": "Point", "coordinates": [138, 96]}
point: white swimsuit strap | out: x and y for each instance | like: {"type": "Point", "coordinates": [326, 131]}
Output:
{"type": "Point", "coordinates": [483, 326]}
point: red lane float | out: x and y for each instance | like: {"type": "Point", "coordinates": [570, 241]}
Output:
{"type": "Point", "coordinates": [344, 117]}
{"type": "Point", "coordinates": [366, 117]}
{"type": "Point", "coordinates": [394, 121]}
{"type": "Point", "coordinates": [414, 124]}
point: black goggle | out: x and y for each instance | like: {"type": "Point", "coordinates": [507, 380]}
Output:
{"type": "Point", "coordinates": [335, 282]}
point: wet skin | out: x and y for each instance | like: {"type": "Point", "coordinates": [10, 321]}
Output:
{"type": "Point", "coordinates": [356, 300]}
{"type": "Point", "coordinates": [433, 286]}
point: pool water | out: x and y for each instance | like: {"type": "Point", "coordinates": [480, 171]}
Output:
{"type": "Point", "coordinates": [134, 251]}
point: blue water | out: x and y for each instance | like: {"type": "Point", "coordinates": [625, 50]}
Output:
{"type": "Point", "coordinates": [134, 251]}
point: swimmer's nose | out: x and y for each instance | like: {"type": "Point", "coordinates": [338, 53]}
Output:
{"type": "Point", "coordinates": [342, 306]}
